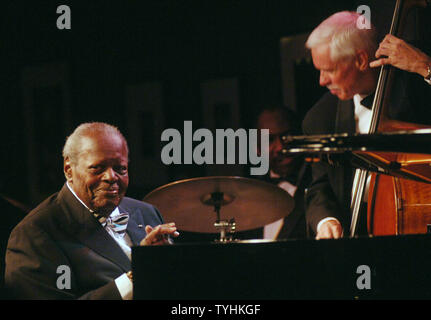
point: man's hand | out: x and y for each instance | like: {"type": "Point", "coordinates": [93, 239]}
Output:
{"type": "Point", "coordinates": [402, 55]}
{"type": "Point", "coordinates": [159, 235]}
{"type": "Point", "coordinates": [330, 229]}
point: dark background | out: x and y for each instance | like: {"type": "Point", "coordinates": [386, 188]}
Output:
{"type": "Point", "coordinates": [52, 80]}
{"type": "Point", "coordinates": [112, 44]}
{"type": "Point", "coordinates": [115, 43]}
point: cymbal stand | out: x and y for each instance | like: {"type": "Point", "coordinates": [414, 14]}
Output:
{"type": "Point", "coordinates": [225, 227]}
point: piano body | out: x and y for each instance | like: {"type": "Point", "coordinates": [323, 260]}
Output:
{"type": "Point", "coordinates": [385, 267]}
{"type": "Point", "coordinates": [362, 267]}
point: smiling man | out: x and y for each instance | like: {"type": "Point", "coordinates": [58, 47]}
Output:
{"type": "Point", "coordinates": [77, 243]}
{"type": "Point", "coordinates": [95, 166]}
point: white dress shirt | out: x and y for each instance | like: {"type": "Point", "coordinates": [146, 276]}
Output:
{"type": "Point", "coordinates": [271, 231]}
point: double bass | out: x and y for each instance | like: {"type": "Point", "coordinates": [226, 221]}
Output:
{"type": "Point", "coordinates": [396, 205]}
{"type": "Point", "coordinates": [398, 181]}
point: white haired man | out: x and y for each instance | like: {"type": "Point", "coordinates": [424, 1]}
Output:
{"type": "Point", "coordinates": [342, 53]}
{"type": "Point", "coordinates": [77, 243]}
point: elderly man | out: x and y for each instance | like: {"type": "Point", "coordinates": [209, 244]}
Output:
{"type": "Point", "coordinates": [342, 53]}
{"type": "Point", "coordinates": [77, 243]}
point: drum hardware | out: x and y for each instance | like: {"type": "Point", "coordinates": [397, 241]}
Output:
{"type": "Point", "coordinates": [240, 204]}
{"type": "Point", "coordinates": [225, 227]}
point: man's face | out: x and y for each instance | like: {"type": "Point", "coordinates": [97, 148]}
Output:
{"type": "Point", "coordinates": [280, 164]}
{"type": "Point", "coordinates": [342, 78]}
{"type": "Point", "coordinates": [100, 175]}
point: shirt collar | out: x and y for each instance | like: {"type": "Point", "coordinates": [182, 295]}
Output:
{"type": "Point", "coordinates": [359, 97]}
{"type": "Point", "coordinates": [358, 103]}
{"type": "Point", "coordinates": [365, 100]}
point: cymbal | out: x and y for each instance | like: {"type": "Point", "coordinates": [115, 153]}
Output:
{"type": "Point", "coordinates": [251, 202]}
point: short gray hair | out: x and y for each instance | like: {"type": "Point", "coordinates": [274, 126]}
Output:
{"type": "Point", "coordinates": [341, 32]}
{"type": "Point", "coordinates": [71, 149]}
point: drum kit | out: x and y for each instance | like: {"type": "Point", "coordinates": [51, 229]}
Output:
{"type": "Point", "coordinates": [228, 204]}
{"type": "Point", "coordinates": [221, 204]}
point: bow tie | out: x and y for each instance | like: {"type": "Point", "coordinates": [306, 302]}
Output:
{"type": "Point", "coordinates": [367, 102]}
{"type": "Point", "coordinates": [117, 223]}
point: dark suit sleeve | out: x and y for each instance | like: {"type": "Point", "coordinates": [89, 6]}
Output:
{"type": "Point", "coordinates": [320, 201]}
{"type": "Point", "coordinates": [32, 259]}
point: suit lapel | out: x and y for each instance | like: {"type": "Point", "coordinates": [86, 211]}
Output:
{"type": "Point", "coordinates": [135, 231]}
{"type": "Point", "coordinates": [345, 120]}
{"type": "Point", "coordinates": [90, 232]}
{"type": "Point", "coordinates": [101, 242]}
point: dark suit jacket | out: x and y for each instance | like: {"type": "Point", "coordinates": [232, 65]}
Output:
{"type": "Point", "coordinates": [330, 190]}
{"type": "Point", "coordinates": [294, 225]}
{"type": "Point", "coordinates": [61, 231]}
{"type": "Point", "coordinates": [11, 216]}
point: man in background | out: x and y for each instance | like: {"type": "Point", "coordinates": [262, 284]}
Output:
{"type": "Point", "coordinates": [289, 172]}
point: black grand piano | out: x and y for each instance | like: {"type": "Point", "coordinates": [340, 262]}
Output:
{"type": "Point", "coordinates": [368, 267]}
